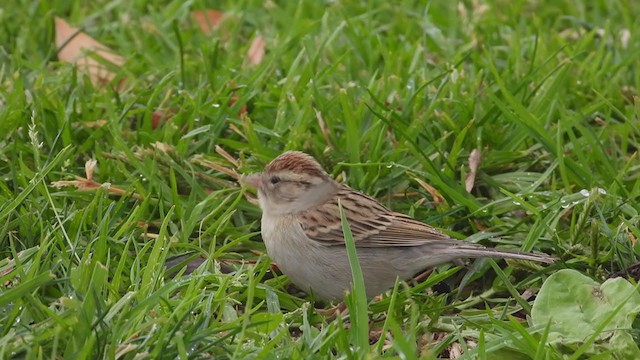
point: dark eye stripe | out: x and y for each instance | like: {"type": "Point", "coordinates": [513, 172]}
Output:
{"type": "Point", "coordinates": [276, 180]}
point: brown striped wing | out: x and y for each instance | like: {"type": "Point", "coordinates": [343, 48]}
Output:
{"type": "Point", "coordinates": [372, 224]}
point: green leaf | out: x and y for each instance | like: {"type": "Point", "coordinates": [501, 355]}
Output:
{"type": "Point", "coordinates": [575, 307]}
{"type": "Point", "coordinates": [266, 322]}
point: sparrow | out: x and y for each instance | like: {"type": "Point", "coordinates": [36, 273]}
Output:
{"type": "Point", "coordinates": [302, 231]}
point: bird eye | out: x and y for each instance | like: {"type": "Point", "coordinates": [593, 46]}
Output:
{"type": "Point", "coordinates": [274, 180]}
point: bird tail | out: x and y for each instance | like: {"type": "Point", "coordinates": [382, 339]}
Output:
{"type": "Point", "coordinates": [478, 251]}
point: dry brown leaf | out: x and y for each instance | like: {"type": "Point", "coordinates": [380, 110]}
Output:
{"type": "Point", "coordinates": [163, 147]}
{"type": "Point", "coordinates": [435, 194]}
{"type": "Point", "coordinates": [233, 100]}
{"type": "Point", "coordinates": [235, 129]}
{"type": "Point", "coordinates": [87, 183]}
{"type": "Point", "coordinates": [78, 48]}
{"type": "Point", "coordinates": [89, 168]}
{"type": "Point", "coordinates": [79, 183]}
{"type": "Point", "coordinates": [212, 165]}
{"type": "Point", "coordinates": [84, 184]}
{"type": "Point", "coordinates": [198, 159]}
{"type": "Point", "coordinates": [479, 225]}
{"type": "Point", "coordinates": [324, 129]}
{"type": "Point", "coordinates": [160, 117]}
{"type": "Point", "coordinates": [222, 152]}
{"type": "Point", "coordinates": [256, 51]}
{"type": "Point", "coordinates": [208, 20]}
{"type": "Point", "coordinates": [474, 163]}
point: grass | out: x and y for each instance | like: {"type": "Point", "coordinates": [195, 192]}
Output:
{"type": "Point", "coordinates": [382, 95]}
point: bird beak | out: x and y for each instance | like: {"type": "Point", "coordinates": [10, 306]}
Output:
{"type": "Point", "coordinates": [253, 180]}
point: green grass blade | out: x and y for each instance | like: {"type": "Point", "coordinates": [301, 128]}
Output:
{"type": "Point", "coordinates": [358, 309]}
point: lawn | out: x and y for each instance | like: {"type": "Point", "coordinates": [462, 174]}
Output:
{"type": "Point", "coordinates": [124, 233]}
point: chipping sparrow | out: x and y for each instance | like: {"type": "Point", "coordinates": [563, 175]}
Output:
{"type": "Point", "coordinates": [302, 232]}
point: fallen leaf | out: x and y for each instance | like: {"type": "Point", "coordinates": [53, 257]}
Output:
{"type": "Point", "coordinates": [479, 225]}
{"type": "Point", "coordinates": [324, 129]}
{"type": "Point", "coordinates": [87, 182]}
{"type": "Point", "coordinates": [222, 152]}
{"type": "Point", "coordinates": [474, 162]}
{"type": "Point", "coordinates": [74, 46]}
{"type": "Point", "coordinates": [163, 147]}
{"type": "Point", "coordinates": [79, 183]}
{"type": "Point", "coordinates": [435, 194]}
{"type": "Point", "coordinates": [256, 51]}
{"type": "Point", "coordinates": [160, 117]}
{"type": "Point", "coordinates": [234, 99]}
{"type": "Point", "coordinates": [208, 20]}
{"type": "Point", "coordinates": [235, 129]}
{"type": "Point", "coordinates": [217, 167]}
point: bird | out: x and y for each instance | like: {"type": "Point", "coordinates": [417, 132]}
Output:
{"type": "Point", "coordinates": [302, 232]}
